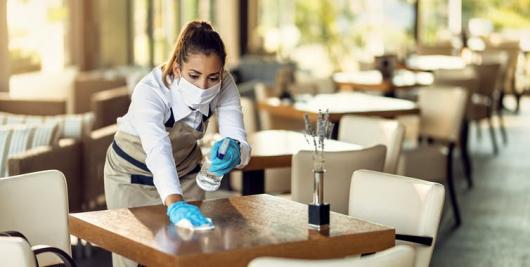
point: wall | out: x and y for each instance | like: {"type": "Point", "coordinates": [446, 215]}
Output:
{"type": "Point", "coordinates": [4, 53]}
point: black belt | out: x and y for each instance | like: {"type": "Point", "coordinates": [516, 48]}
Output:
{"type": "Point", "coordinates": [137, 178]}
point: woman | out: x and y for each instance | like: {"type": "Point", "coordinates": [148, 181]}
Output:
{"type": "Point", "coordinates": [154, 157]}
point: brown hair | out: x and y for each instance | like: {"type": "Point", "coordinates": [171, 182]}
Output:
{"type": "Point", "coordinates": [196, 37]}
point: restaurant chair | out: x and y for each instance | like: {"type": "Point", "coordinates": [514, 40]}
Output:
{"type": "Point", "coordinates": [442, 111]}
{"type": "Point", "coordinates": [509, 85]}
{"type": "Point", "coordinates": [277, 180]}
{"type": "Point", "coordinates": [36, 205]}
{"type": "Point", "coordinates": [411, 206]}
{"type": "Point", "coordinates": [339, 167]}
{"type": "Point", "coordinates": [501, 58]}
{"type": "Point", "coordinates": [484, 100]}
{"type": "Point", "coordinates": [367, 131]}
{"type": "Point", "coordinates": [16, 251]}
{"type": "Point", "coordinates": [466, 78]}
{"type": "Point", "coordinates": [398, 256]}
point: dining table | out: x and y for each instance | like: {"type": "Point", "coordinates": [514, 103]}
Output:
{"type": "Point", "coordinates": [246, 227]}
{"type": "Point", "coordinates": [338, 105]}
{"type": "Point", "coordinates": [434, 62]}
{"type": "Point", "coordinates": [373, 80]}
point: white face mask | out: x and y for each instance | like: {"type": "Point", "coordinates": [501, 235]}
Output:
{"type": "Point", "coordinates": [194, 96]}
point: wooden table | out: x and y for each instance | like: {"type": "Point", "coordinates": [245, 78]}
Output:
{"type": "Point", "coordinates": [246, 227]}
{"type": "Point", "coordinates": [274, 149]}
{"type": "Point", "coordinates": [340, 104]}
{"type": "Point", "coordinates": [373, 81]}
{"type": "Point", "coordinates": [435, 62]}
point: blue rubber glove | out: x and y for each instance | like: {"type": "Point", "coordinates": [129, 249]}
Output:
{"type": "Point", "coordinates": [182, 210]}
{"type": "Point", "coordinates": [231, 158]}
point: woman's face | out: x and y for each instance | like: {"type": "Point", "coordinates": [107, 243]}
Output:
{"type": "Point", "coordinates": [202, 70]}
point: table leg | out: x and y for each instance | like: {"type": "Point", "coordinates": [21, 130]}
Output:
{"type": "Point", "coordinates": [335, 132]}
{"type": "Point", "coordinates": [253, 182]}
{"type": "Point", "coordinates": [464, 151]}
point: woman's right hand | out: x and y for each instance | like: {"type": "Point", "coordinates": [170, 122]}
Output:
{"type": "Point", "coordinates": [182, 210]}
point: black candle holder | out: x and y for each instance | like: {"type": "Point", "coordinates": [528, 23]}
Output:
{"type": "Point", "coordinates": [318, 211]}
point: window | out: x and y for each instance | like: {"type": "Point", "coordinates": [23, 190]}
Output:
{"type": "Point", "coordinates": [337, 34]}
{"type": "Point", "coordinates": [34, 48]}
{"type": "Point", "coordinates": [157, 23]}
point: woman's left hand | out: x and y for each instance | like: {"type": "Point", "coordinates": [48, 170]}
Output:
{"type": "Point", "coordinates": [231, 158]}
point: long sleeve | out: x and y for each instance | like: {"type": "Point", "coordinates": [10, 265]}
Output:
{"type": "Point", "coordinates": [230, 118]}
{"type": "Point", "coordinates": [147, 113]}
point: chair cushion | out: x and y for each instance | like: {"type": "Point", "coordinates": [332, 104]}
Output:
{"type": "Point", "coordinates": [18, 138]}
{"type": "Point", "coordinates": [74, 126]}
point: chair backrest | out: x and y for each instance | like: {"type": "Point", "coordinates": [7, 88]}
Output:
{"type": "Point", "coordinates": [249, 115]}
{"type": "Point", "coordinates": [36, 205]}
{"type": "Point", "coordinates": [397, 256]}
{"type": "Point", "coordinates": [108, 105]}
{"type": "Point", "coordinates": [367, 131]}
{"type": "Point", "coordinates": [339, 167]}
{"type": "Point", "coordinates": [442, 112]}
{"type": "Point", "coordinates": [501, 58]}
{"type": "Point", "coordinates": [488, 74]}
{"type": "Point", "coordinates": [15, 251]}
{"type": "Point", "coordinates": [466, 78]}
{"type": "Point", "coordinates": [411, 206]}
{"type": "Point", "coordinates": [269, 122]}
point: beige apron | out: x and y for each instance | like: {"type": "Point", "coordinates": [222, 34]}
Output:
{"type": "Point", "coordinates": [128, 181]}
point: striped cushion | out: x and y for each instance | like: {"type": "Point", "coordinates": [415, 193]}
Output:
{"type": "Point", "coordinates": [5, 134]}
{"type": "Point", "coordinates": [77, 125]}
{"type": "Point", "coordinates": [18, 141]}
{"type": "Point", "coordinates": [15, 119]}
{"type": "Point", "coordinates": [74, 126]}
{"type": "Point", "coordinates": [46, 134]}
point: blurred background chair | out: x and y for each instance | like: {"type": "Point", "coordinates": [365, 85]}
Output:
{"type": "Point", "coordinates": [467, 79]}
{"type": "Point", "coordinates": [367, 131]}
{"type": "Point", "coordinates": [398, 256]}
{"type": "Point", "coordinates": [411, 206]}
{"type": "Point", "coordinates": [339, 167]}
{"type": "Point", "coordinates": [37, 206]}
{"type": "Point", "coordinates": [442, 113]}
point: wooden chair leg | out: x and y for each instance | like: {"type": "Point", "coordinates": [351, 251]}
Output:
{"type": "Point", "coordinates": [479, 129]}
{"type": "Point", "coordinates": [493, 137]}
{"type": "Point", "coordinates": [451, 186]}
{"type": "Point", "coordinates": [503, 129]}
{"type": "Point", "coordinates": [464, 153]}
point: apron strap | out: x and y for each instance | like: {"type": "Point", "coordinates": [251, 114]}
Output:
{"type": "Point", "coordinates": [137, 178]}
{"type": "Point", "coordinates": [128, 158]}
{"type": "Point", "coordinates": [171, 121]}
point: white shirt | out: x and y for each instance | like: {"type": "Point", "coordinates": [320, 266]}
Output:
{"type": "Point", "coordinates": [149, 110]}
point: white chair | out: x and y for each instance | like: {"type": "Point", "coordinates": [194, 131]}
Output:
{"type": "Point", "coordinates": [398, 256]}
{"type": "Point", "coordinates": [412, 206]}
{"type": "Point", "coordinates": [442, 112]}
{"type": "Point", "coordinates": [15, 251]}
{"type": "Point", "coordinates": [367, 131]}
{"type": "Point", "coordinates": [339, 167]}
{"type": "Point", "coordinates": [36, 205]}
{"type": "Point", "coordinates": [276, 180]}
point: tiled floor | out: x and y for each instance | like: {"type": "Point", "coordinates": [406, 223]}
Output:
{"type": "Point", "coordinates": [496, 212]}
